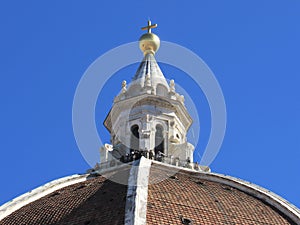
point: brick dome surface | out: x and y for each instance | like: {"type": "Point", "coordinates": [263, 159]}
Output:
{"type": "Point", "coordinates": [204, 202]}
{"type": "Point", "coordinates": [173, 196]}
{"type": "Point", "coordinates": [94, 201]}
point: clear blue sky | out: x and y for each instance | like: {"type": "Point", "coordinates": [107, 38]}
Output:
{"type": "Point", "coordinates": [251, 46]}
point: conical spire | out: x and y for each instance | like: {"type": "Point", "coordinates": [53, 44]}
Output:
{"type": "Point", "coordinates": [149, 75]}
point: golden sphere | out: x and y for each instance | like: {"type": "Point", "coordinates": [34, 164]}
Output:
{"type": "Point", "coordinates": [149, 42]}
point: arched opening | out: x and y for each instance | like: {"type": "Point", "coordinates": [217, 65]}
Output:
{"type": "Point", "coordinates": [134, 138]}
{"type": "Point", "coordinates": [159, 142]}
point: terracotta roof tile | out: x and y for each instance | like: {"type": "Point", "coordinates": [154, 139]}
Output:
{"type": "Point", "coordinates": [101, 201]}
{"type": "Point", "coordinates": [95, 201]}
{"type": "Point", "coordinates": [204, 202]}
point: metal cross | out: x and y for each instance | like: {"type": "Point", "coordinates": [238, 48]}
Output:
{"type": "Point", "coordinates": [149, 26]}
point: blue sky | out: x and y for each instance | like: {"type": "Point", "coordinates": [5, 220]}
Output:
{"type": "Point", "coordinates": [251, 46]}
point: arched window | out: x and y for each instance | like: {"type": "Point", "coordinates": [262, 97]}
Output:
{"type": "Point", "coordinates": [134, 138]}
{"type": "Point", "coordinates": [159, 140]}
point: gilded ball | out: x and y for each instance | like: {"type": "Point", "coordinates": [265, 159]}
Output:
{"type": "Point", "coordinates": [149, 42]}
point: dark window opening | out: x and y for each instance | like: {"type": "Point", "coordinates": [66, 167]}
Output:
{"type": "Point", "coordinates": [159, 142]}
{"type": "Point", "coordinates": [135, 138]}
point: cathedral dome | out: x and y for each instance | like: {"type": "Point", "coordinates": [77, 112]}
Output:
{"type": "Point", "coordinates": [198, 197]}
{"type": "Point", "coordinates": [151, 178]}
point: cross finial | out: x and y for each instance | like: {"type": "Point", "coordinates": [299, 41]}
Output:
{"type": "Point", "coordinates": [149, 26]}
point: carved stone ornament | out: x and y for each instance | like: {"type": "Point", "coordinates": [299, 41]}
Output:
{"type": "Point", "coordinates": [146, 133]}
{"type": "Point", "coordinates": [172, 86]}
{"type": "Point", "coordinates": [124, 86]}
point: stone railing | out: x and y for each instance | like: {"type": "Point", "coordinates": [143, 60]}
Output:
{"type": "Point", "coordinates": [164, 159]}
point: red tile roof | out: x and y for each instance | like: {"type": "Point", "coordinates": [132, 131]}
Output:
{"type": "Point", "coordinates": [171, 194]}
{"type": "Point", "coordinates": [203, 201]}
{"type": "Point", "coordinates": [95, 201]}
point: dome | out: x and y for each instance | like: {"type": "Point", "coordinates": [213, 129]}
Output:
{"type": "Point", "coordinates": [165, 198]}
{"type": "Point", "coordinates": [127, 188]}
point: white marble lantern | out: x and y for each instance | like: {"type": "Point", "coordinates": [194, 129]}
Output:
{"type": "Point", "coordinates": [148, 114]}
